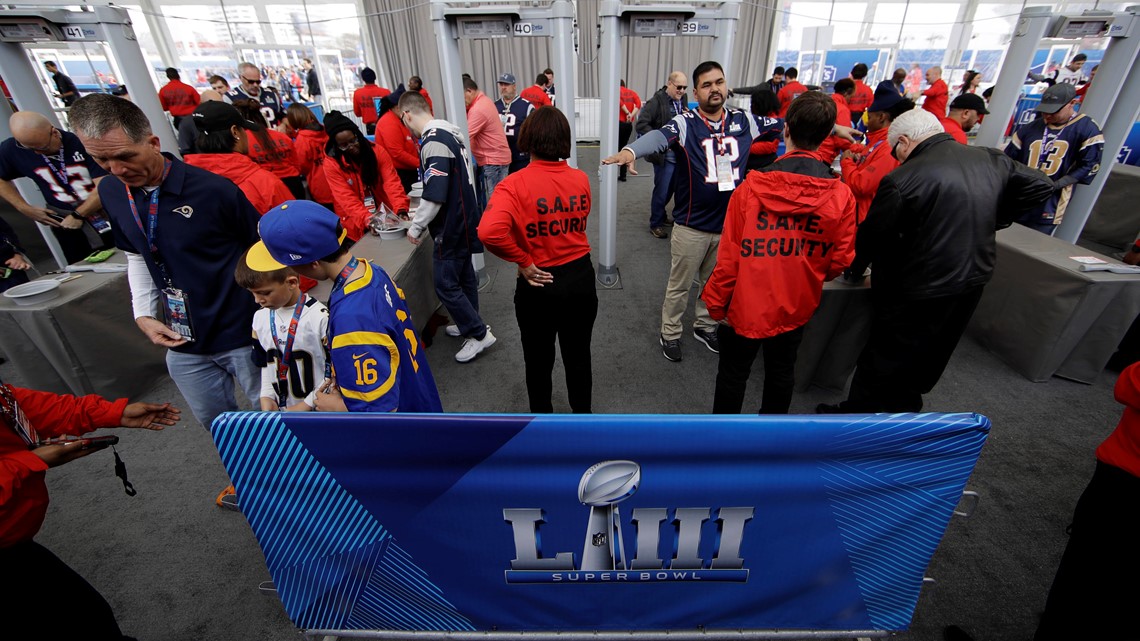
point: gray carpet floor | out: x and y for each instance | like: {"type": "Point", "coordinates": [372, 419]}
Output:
{"type": "Point", "coordinates": [175, 567]}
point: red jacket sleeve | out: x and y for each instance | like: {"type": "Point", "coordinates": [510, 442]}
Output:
{"type": "Point", "coordinates": [393, 192]}
{"type": "Point", "coordinates": [348, 200]}
{"type": "Point", "coordinates": [500, 231]}
{"type": "Point", "coordinates": [844, 239]}
{"type": "Point", "coordinates": [722, 282]}
{"type": "Point", "coordinates": [58, 414]}
{"type": "Point", "coordinates": [393, 136]}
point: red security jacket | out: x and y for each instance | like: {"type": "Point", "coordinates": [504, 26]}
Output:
{"type": "Point", "coordinates": [264, 190]}
{"type": "Point", "coordinates": [397, 141]}
{"type": "Point", "coordinates": [863, 177]}
{"type": "Point", "coordinates": [789, 227]}
{"type": "Point", "coordinates": [364, 102]}
{"type": "Point", "coordinates": [309, 150]}
{"type": "Point", "coordinates": [861, 100]}
{"type": "Point", "coordinates": [23, 494]}
{"type": "Point", "coordinates": [790, 92]}
{"type": "Point", "coordinates": [833, 145]}
{"type": "Point", "coordinates": [348, 191]}
{"type": "Point", "coordinates": [1122, 448]}
{"type": "Point", "coordinates": [280, 160]}
{"type": "Point", "coordinates": [179, 98]}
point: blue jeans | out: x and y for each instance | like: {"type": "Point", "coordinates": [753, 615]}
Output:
{"type": "Point", "coordinates": [457, 287]}
{"type": "Point", "coordinates": [489, 176]}
{"type": "Point", "coordinates": [662, 192]}
{"type": "Point", "coordinates": [207, 381]}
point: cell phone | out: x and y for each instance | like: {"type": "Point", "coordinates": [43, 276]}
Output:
{"type": "Point", "coordinates": [93, 442]}
{"type": "Point", "coordinates": [57, 214]}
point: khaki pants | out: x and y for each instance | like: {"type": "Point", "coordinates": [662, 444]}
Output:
{"type": "Point", "coordinates": [694, 256]}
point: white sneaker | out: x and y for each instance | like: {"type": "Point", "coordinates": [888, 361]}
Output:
{"type": "Point", "coordinates": [473, 347]}
{"type": "Point", "coordinates": [452, 331]}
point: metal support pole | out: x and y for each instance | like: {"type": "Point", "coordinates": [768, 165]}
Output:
{"type": "Point", "coordinates": [1123, 98]}
{"type": "Point", "coordinates": [1027, 35]}
{"type": "Point", "coordinates": [120, 36]}
{"type": "Point", "coordinates": [609, 61]}
{"type": "Point", "coordinates": [725, 38]}
{"type": "Point", "coordinates": [160, 31]}
{"type": "Point", "coordinates": [562, 15]}
{"type": "Point", "coordinates": [454, 109]}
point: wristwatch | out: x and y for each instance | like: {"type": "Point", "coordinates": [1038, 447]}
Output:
{"type": "Point", "coordinates": [74, 214]}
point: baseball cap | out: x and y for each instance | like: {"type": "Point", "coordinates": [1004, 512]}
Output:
{"type": "Point", "coordinates": [1056, 97]}
{"type": "Point", "coordinates": [215, 116]}
{"type": "Point", "coordinates": [296, 232]}
{"type": "Point", "coordinates": [885, 98]}
{"type": "Point", "coordinates": [507, 79]}
{"type": "Point", "coordinates": [970, 101]}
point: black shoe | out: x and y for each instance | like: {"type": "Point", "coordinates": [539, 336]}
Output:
{"type": "Point", "coordinates": [829, 408]}
{"type": "Point", "coordinates": [709, 338]}
{"type": "Point", "coordinates": [671, 349]}
{"type": "Point", "coordinates": [659, 232]}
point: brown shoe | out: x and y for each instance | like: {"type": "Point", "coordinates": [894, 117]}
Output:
{"type": "Point", "coordinates": [659, 232]}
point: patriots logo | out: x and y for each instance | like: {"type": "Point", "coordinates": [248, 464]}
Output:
{"type": "Point", "coordinates": [432, 171]}
{"type": "Point", "coordinates": [185, 210]}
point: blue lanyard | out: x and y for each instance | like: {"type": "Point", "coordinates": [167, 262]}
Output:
{"type": "Point", "coordinates": [150, 232]}
{"type": "Point", "coordinates": [61, 171]}
{"type": "Point", "coordinates": [285, 352]}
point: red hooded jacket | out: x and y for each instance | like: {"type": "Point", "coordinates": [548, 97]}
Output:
{"type": "Point", "coordinates": [280, 160]}
{"type": "Point", "coordinates": [348, 191]}
{"type": "Point", "coordinates": [264, 190]}
{"type": "Point", "coordinates": [364, 102]}
{"type": "Point", "coordinates": [789, 227]}
{"type": "Point", "coordinates": [23, 494]}
{"type": "Point", "coordinates": [863, 177]}
{"type": "Point", "coordinates": [1122, 448]}
{"type": "Point", "coordinates": [398, 142]}
{"type": "Point", "coordinates": [833, 145]}
{"type": "Point", "coordinates": [309, 150]}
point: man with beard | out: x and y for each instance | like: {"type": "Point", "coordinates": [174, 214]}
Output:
{"type": "Point", "coordinates": [251, 89]}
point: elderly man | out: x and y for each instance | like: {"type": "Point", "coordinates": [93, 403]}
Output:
{"type": "Point", "coordinates": [183, 229]}
{"type": "Point", "coordinates": [251, 89]}
{"type": "Point", "coordinates": [56, 161]}
{"type": "Point", "coordinates": [930, 236]}
{"type": "Point", "coordinates": [669, 101]}
{"type": "Point", "coordinates": [513, 110]}
{"type": "Point", "coordinates": [1067, 146]}
{"type": "Point", "coordinates": [488, 142]}
{"type": "Point", "coordinates": [937, 94]}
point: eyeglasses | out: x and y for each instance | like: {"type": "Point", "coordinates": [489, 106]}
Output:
{"type": "Point", "coordinates": [43, 149]}
{"type": "Point", "coordinates": [252, 81]}
{"type": "Point", "coordinates": [895, 151]}
{"type": "Point", "coordinates": [348, 146]}
{"type": "Point", "coordinates": [680, 87]}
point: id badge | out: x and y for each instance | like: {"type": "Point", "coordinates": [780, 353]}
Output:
{"type": "Point", "coordinates": [100, 223]}
{"type": "Point", "coordinates": [177, 312]}
{"type": "Point", "coordinates": [370, 204]}
{"type": "Point", "coordinates": [724, 181]}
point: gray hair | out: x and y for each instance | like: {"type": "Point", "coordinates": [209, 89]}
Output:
{"type": "Point", "coordinates": [248, 65]}
{"type": "Point", "coordinates": [93, 115]}
{"type": "Point", "coordinates": [916, 124]}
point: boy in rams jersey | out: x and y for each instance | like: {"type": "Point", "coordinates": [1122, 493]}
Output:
{"type": "Point", "coordinates": [374, 350]}
{"type": "Point", "coordinates": [1066, 145]}
{"type": "Point", "coordinates": [289, 335]}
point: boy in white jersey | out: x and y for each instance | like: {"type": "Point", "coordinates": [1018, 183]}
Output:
{"type": "Point", "coordinates": [289, 333]}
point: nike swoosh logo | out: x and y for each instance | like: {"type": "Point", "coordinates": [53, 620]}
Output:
{"type": "Point", "coordinates": [358, 356]}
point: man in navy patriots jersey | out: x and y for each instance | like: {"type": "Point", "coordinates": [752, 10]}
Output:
{"type": "Point", "coordinates": [712, 147]}
{"type": "Point", "coordinates": [58, 164]}
{"type": "Point", "coordinates": [1067, 146]}
{"type": "Point", "coordinates": [513, 110]}
{"type": "Point", "coordinates": [251, 88]}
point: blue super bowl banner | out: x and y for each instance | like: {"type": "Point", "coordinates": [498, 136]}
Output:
{"type": "Point", "coordinates": [607, 522]}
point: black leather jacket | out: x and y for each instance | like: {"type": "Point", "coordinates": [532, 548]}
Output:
{"type": "Point", "coordinates": [657, 111]}
{"type": "Point", "coordinates": [930, 229]}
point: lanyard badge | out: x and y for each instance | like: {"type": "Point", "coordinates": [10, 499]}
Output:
{"type": "Point", "coordinates": [15, 417]}
{"type": "Point", "coordinates": [285, 351]}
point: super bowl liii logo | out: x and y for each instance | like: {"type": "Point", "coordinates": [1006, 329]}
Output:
{"type": "Point", "coordinates": [604, 559]}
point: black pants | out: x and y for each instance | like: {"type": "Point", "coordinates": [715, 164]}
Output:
{"type": "Point", "coordinates": [737, 353]}
{"type": "Point", "coordinates": [911, 343]}
{"type": "Point", "coordinates": [36, 583]}
{"type": "Point", "coordinates": [370, 129]}
{"type": "Point", "coordinates": [625, 130]}
{"type": "Point", "coordinates": [75, 244]}
{"type": "Point", "coordinates": [564, 310]}
{"type": "Point", "coordinates": [1095, 592]}
{"type": "Point", "coordinates": [408, 177]}
{"type": "Point", "coordinates": [296, 185]}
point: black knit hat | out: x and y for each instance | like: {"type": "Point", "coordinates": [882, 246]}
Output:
{"type": "Point", "coordinates": [336, 122]}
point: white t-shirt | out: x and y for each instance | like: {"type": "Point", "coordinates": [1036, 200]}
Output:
{"type": "Point", "coordinates": [1066, 75]}
{"type": "Point", "coordinates": [307, 360]}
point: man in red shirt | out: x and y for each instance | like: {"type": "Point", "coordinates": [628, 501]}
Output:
{"type": "Point", "coordinates": [789, 227]}
{"type": "Point", "coordinates": [364, 100]}
{"type": "Point", "coordinates": [27, 420]}
{"type": "Point", "coordinates": [865, 165]}
{"type": "Point", "coordinates": [177, 97]}
{"type": "Point", "coordinates": [488, 141]}
{"type": "Point", "coordinates": [938, 93]}
{"type": "Point", "coordinates": [536, 93]}
{"type": "Point", "coordinates": [832, 145]}
{"type": "Point", "coordinates": [792, 89]}
{"type": "Point", "coordinates": [629, 105]}
{"type": "Point", "coordinates": [863, 95]}
{"type": "Point", "coordinates": [965, 111]}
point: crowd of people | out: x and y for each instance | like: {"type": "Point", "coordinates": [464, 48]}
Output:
{"type": "Point", "coordinates": [268, 200]}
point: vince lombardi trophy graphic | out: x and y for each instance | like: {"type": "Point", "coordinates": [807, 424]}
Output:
{"type": "Point", "coordinates": [602, 487]}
